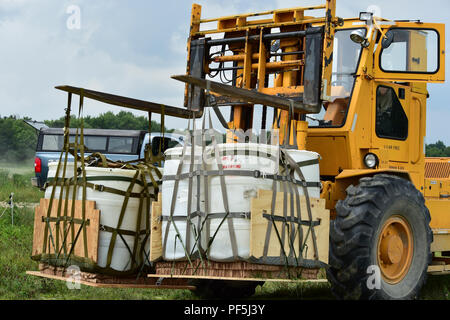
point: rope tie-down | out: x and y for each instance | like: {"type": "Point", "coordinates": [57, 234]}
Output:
{"type": "Point", "coordinates": [123, 225]}
{"type": "Point", "coordinates": [194, 243]}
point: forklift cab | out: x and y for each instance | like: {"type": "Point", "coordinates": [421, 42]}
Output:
{"type": "Point", "coordinates": [404, 51]}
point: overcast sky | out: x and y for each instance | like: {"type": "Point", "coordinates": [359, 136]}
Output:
{"type": "Point", "coordinates": [132, 48]}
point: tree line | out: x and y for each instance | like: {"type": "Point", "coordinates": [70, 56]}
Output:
{"type": "Point", "coordinates": [121, 121]}
{"type": "Point", "coordinates": [438, 149]}
{"type": "Point", "coordinates": [18, 140]}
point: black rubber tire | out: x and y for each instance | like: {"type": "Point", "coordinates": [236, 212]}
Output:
{"type": "Point", "coordinates": [221, 289]}
{"type": "Point", "coordinates": [355, 232]}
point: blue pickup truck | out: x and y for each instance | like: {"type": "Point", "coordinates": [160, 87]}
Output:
{"type": "Point", "coordinates": [116, 145]}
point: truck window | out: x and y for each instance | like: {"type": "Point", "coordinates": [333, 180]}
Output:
{"type": "Point", "coordinates": [411, 51]}
{"type": "Point", "coordinates": [120, 145]}
{"type": "Point", "coordinates": [96, 143]}
{"type": "Point", "coordinates": [52, 143]}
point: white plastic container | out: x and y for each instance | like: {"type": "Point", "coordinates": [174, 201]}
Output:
{"type": "Point", "coordinates": [176, 244]}
{"type": "Point", "coordinates": [110, 206]}
{"type": "Point", "coordinates": [221, 249]}
{"type": "Point", "coordinates": [240, 190]}
{"type": "Point", "coordinates": [52, 166]}
{"type": "Point", "coordinates": [253, 158]}
{"type": "Point", "coordinates": [311, 173]}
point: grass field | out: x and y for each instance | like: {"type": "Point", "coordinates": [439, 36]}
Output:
{"type": "Point", "coordinates": [23, 168]}
{"type": "Point", "coordinates": [16, 179]}
{"type": "Point", "coordinates": [15, 250]}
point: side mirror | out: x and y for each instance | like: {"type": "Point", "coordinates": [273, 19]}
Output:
{"type": "Point", "coordinates": [158, 143]}
{"type": "Point", "coordinates": [388, 39]}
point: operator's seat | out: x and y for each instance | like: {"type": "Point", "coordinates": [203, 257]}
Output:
{"type": "Point", "coordinates": [336, 111]}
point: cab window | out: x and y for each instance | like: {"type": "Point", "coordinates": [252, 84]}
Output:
{"type": "Point", "coordinates": [346, 56]}
{"type": "Point", "coordinates": [391, 120]}
{"type": "Point", "coordinates": [411, 51]}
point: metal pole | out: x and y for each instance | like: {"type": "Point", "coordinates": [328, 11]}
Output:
{"type": "Point", "coordinates": [11, 205]}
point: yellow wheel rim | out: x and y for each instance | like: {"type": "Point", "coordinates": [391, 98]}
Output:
{"type": "Point", "coordinates": [395, 249]}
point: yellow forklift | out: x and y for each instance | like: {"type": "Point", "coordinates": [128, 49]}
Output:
{"type": "Point", "coordinates": [366, 83]}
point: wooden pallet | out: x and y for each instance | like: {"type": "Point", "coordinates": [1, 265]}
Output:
{"type": "Point", "coordinates": [233, 271]}
{"type": "Point", "coordinates": [104, 281]}
{"type": "Point", "coordinates": [439, 266]}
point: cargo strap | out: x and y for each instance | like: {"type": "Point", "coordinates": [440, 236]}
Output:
{"type": "Point", "coordinates": [225, 201]}
{"type": "Point", "coordinates": [292, 231]}
{"type": "Point", "coordinates": [195, 214]}
{"type": "Point", "coordinates": [190, 188]}
{"type": "Point", "coordinates": [144, 177]}
{"type": "Point", "coordinates": [291, 168]}
{"type": "Point", "coordinates": [243, 173]}
{"type": "Point", "coordinates": [65, 219]}
{"type": "Point", "coordinates": [122, 232]}
{"type": "Point", "coordinates": [297, 170]}
{"type": "Point", "coordinates": [171, 220]}
{"type": "Point", "coordinates": [290, 219]}
{"type": "Point", "coordinates": [70, 181]}
{"type": "Point", "coordinates": [210, 99]}
{"type": "Point", "coordinates": [234, 152]}
{"type": "Point", "coordinates": [102, 188]}
{"type": "Point", "coordinates": [66, 141]}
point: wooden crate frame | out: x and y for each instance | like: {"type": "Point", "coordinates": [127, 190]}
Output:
{"type": "Point", "coordinates": [92, 217]}
{"type": "Point", "coordinates": [263, 203]}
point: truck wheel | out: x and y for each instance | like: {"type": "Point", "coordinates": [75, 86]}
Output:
{"type": "Point", "coordinates": [221, 289]}
{"type": "Point", "coordinates": [382, 228]}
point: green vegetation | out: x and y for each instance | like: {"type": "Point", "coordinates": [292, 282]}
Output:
{"type": "Point", "coordinates": [20, 185]}
{"type": "Point", "coordinates": [121, 121]}
{"type": "Point", "coordinates": [15, 247]}
{"type": "Point", "coordinates": [17, 140]}
{"type": "Point", "coordinates": [438, 149]}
